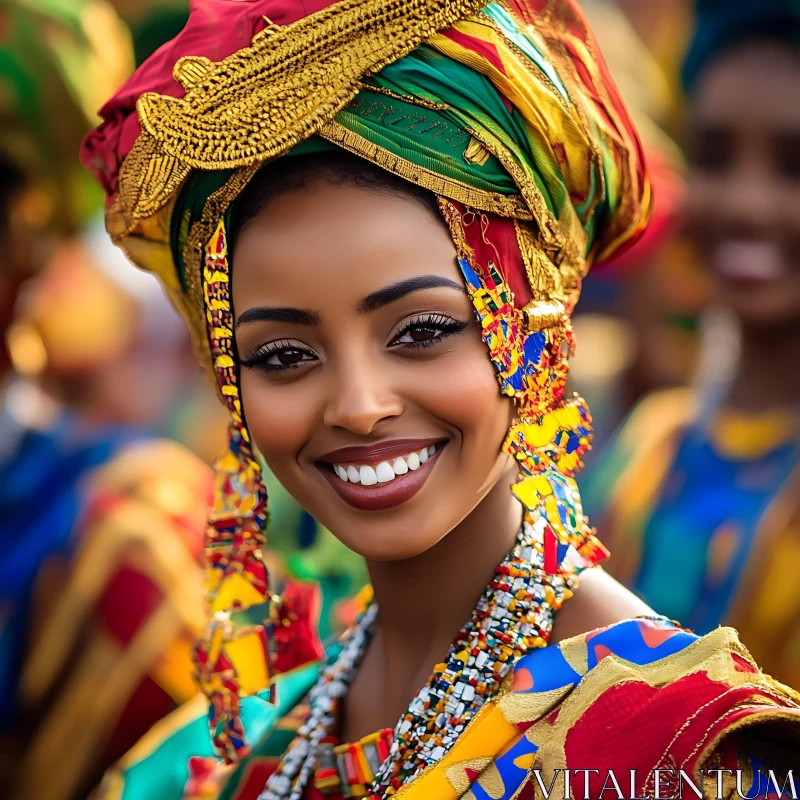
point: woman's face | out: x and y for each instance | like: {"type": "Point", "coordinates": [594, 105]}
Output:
{"type": "Point", "coordinates": [744, 188]}
{"type": "Point", "coordinates": [364, 379]}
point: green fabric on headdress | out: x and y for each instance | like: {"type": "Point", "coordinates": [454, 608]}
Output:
{"type": "Point", "coordinates": [473, 104]}
{"type": "Point", "coordinates": [433, 137]}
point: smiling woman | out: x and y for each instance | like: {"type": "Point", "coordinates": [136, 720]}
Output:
{"type": "Point", "coordinates": [351, 210]}
{"type": "Point", "coordinates": [371, 391]}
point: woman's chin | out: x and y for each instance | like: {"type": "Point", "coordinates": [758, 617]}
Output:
{"type": "Point", "coordinates": [390, 522]}
{"type": "Point", "coordinates": [389, 540]}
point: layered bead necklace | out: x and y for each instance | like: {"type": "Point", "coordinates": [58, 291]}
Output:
{"type": "Point", "coordinates": [514, 615]}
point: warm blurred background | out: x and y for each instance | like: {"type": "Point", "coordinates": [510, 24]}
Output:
{"type": "Point", "coordinates": [689, 356]}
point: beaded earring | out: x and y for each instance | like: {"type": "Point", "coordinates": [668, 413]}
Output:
{"type": "Point", "coordinates": [232, 658]}
{"type": "Point", "coordinates": [529, 349]}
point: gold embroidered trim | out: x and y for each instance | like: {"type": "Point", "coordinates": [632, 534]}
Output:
{"type": "Point", "coordinates": [452, 217]}
{"type": "Point", "coordinates": [264, 99]}
{"type": "Point", "coordinates": [504, 205]}
{"type": "Point", "coordinates": [406, 98]}
{"type": "Point", "coordinates": [544, 277]}
{"type": "Point", "coordinates": [777, 713]}
{"type": "Point", "coordinates": [543, 314]}
{"type": "Point", "coordinates": [476, 153]}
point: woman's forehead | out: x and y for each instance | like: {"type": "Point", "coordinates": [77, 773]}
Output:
{"type": "Point", "coordinates": [338, 238]}
{"type": "Point", "coordinates": [763, 73]}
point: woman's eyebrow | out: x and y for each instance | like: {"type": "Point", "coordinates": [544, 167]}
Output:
{"type": "Point", "coordinates": [376, 300]}
{"type": "Point", "coordinates": [298, 316]}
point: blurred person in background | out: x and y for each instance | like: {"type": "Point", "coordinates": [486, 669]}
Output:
{"type": "Point", "coordinates": [101, 527]}
{"type": "Point", "coordinates": [99, 337]}
{"type": "Point", "coordinates": [702, 487]}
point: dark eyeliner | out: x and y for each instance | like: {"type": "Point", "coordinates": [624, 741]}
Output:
{"type": "Point", "coordinates": [447, 326]}
{"type": "Point", "coordinates": [258, 358]}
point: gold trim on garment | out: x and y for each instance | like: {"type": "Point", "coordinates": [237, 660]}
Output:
{"type": "Point", "coordinates": [200, 234]}
{"type": "Point", "coordinates": [494, 202]}
{"type": "Point", "coordinates": [711, 654]}
{"type": "Point", "coordinates": [406, 98]}
{"type": "Point", "coordinates": [266, 98]}
{"type": "Point", "coordinates": [551, 238]}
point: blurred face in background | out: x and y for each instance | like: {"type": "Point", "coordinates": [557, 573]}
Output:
{"type": "Point", "coordinates": [101, 338]}
{"type": "Point", "coordinates": [744, 183]}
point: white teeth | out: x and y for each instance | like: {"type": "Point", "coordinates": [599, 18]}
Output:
{"type": "Point", "coordinates": [399, 466]}
{"type": "Point", "coordinates": [368, 476]}
{"type": "Point", "coordinates": [384, 472]}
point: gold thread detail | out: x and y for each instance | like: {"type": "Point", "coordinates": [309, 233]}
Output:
{"type": "Point", "coordinates": [503, 205]}
{"type": "Point", "coordinates": [406, 98]}
{"type": "Point", "coordinates": [194, 257]}
{"type": "Point", "coordinates": [542, 314]}
{"type": "Point", "coordinates": [264, 99]}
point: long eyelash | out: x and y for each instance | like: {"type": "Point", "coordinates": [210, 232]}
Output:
{"type": "Point", "coordinates": [447, 325]}
{"type": "Point", "coordinates": [259, 357]}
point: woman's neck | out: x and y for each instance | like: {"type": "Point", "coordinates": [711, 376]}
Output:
{"type": "Point", "coordinates": [424, 601]}
{"type": "Point", "coordinates": [767, 376]}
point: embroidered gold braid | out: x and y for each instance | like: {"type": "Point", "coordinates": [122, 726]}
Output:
{"type": "Point", "coordinates": [507, 206]}
{"type": "Point", "coordinates": [266, 98]}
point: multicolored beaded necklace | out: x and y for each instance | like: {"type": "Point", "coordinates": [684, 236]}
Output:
{"type": "Point", "coordinates": [514, 615]}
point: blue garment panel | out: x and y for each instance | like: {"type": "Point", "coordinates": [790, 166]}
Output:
{"type": "Point", "coordinates": [708, 503]}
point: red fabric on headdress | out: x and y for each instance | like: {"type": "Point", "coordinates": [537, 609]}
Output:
{"type": "Point", "coordinates": [216, 29]}
{"type": "Point", "coordinates": [494, 238]}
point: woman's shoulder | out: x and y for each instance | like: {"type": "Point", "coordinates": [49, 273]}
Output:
{"type": "Point", "coordinates": [598, 601]}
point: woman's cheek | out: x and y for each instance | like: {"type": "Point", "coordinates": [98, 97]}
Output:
{"type": "Point", "coordinates": [701, 210]}
{"type": "Point", "coordinates": [280, 420]}
{"type": "Point", "coordinates": [464, 392]}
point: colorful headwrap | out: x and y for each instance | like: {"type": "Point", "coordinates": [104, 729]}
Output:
{"type": "Point", "coordinates": [504, 110]}
{"type": "Point", "coordinates": [722, 24]}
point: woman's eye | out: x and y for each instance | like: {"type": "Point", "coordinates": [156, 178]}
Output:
{"type": "Point", "coordinates": [713, 151]}
{"type": "Point", "coordinates": [279, 356]}
{"type": "Point", "coordinates": [286, 358]}
{"type": "Point", "coordinates": [426, 331]}
{"type": "Point", "coordinates": [419, 335]}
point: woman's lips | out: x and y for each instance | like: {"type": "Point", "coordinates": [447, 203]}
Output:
{"type": "Point", "coordinates": [373, 454]}
{"type": "Point", "coordinates": [748, 263]}
{"type": "Point", "coordinates": [381, 477]}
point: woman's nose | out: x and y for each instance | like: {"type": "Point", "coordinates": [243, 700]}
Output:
{"type": "Point", "coordinates": [360, 396]}
{"type": "Point", "coordinates": [751, 200]}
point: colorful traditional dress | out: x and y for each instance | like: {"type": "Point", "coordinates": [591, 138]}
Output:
{"type": "Point", "coordinates": [698, 501]}
{"type": "Point", "coordinates": [505, 112]}
{"type": "Point", "coordinates": [614, 706]}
